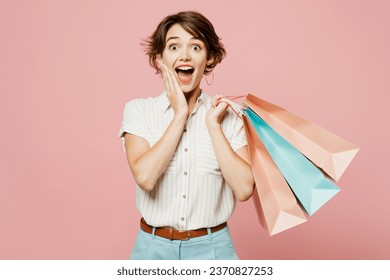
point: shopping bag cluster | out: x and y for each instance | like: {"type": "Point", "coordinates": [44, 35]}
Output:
{"type": "Point", "coordinates": [295, 164]}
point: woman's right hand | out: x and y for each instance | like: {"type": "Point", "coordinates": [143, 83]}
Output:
{"type": "Point", "coordinates": [174, 93]}
{"type": "Point", "coordinates": [148, 163]}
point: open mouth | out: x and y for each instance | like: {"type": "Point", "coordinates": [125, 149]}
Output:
{"type": "Point", "coordinates": [184, 73]}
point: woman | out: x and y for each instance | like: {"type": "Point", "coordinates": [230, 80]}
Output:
{"type": "Point", "coordinates": [186, 151]}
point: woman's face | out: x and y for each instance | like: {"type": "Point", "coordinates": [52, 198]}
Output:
{"type": "Point", "coordinates": [186, 56]}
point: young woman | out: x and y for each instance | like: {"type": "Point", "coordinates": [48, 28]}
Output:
{"type": "Point", "coordinates": [186, 151]}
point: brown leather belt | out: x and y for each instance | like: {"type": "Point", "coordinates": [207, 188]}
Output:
{"type": "Point", "coordinates": [173, 234]}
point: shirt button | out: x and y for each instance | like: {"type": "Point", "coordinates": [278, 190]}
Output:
{"type": "Point", "coordinates": [182, 219]}
{"type": "Point", "coordinates": [185, 150]}
{"type": "Point", "coordinates": [184, 196]}
{"type": "Point", "coordinates": [185, 173]}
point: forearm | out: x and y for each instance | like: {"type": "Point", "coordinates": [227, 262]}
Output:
{"type": "Point", "coordinates": [150, 165]}
{"type": "Point", "coordinates": [235, 170]}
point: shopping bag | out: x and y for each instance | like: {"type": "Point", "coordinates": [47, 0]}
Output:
{"type": "Point", "coordinates": [276, 206]}
{"type": "Point", "coordinates": [326, 150]}
{"type": "Point", "coordinates": [308, 183]}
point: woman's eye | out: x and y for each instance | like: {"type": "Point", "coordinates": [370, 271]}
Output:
{"type": "Point", "coordinates": [173, 47]}
{"type": "Point", "coordinates": [196, 47]}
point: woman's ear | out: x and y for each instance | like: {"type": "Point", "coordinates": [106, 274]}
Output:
{"type": "Point", "coordinates": [210, 61]}
{"type": "Point", "coordinates": [209, 65]}
{"type": "Point", "coordinates": [158, 62]}
{"type": "Point", "coordinates": [158, 59]}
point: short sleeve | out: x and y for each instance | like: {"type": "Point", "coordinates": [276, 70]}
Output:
{"type": "Point", "coordinates": [239, 139]}
{"type": "Point", "coordinates": [132, 121]}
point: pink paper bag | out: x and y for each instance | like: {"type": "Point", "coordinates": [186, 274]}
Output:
{"type": "Point", "coordinates": [275, 203]}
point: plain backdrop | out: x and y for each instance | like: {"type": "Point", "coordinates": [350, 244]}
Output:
{"type": "Point", "coordinates": [68, 67]}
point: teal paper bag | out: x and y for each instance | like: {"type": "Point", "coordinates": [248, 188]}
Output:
{"type": "Point", "coordinates": [308, 183]}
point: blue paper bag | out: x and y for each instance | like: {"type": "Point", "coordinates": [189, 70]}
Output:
{"type": "Point", "coordinates": [307, 182]}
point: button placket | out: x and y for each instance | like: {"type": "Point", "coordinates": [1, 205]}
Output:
{"type": "Point", "coordinates": [186, 178]}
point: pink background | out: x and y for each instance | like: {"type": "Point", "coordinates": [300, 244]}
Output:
{"type": "Point", "coordinates": [68, 67]}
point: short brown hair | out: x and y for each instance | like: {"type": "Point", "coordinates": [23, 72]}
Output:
{"type": "Point", "coordinates": [194, 23]}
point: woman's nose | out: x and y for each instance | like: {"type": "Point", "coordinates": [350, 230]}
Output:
{"type": "Point", "coordinates": [185, 55]}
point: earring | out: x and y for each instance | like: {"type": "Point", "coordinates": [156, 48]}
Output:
{"type": "Point", "coordinates": [212, 79]}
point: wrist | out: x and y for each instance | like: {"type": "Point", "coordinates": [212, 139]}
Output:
{"type": "Point", "coordinates": [181, 112]}
{"type": "Point", "coordinates": [213, 125]}
{"type": "Point", "coordinates": [180, 118]}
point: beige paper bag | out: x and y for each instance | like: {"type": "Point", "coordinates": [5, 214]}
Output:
{"type": "Point", "coordinates": [328, 151]}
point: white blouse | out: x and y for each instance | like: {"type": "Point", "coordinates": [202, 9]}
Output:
{"type": "Point", "coordinates": [192, 192]}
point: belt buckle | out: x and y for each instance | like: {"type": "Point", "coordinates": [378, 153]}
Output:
{"type": "Point", "coordinates": [188, 236]}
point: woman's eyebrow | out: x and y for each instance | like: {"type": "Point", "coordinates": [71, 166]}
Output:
{"type": "Point", "coordinates": [173, 38]}
{"type": "Point", "coordinates": [177, 37]}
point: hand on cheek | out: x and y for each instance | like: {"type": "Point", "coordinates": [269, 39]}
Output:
{"type": "Point", "coordinates": [174, 93]}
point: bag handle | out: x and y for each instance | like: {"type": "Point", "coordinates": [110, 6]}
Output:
{"type": "Point", "coordinates": [229, 101]}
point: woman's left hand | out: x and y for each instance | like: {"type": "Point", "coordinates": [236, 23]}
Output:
{"type": "Point", "coordinates": [234, 165]}
{"type": "Point", "coordinates": [216, 112]}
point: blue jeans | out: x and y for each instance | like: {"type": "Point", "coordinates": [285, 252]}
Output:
{"type": "Point", "coordinates": [213, 246]}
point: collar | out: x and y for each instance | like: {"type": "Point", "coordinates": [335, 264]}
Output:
{"type": "Point", "coordinates": [164, 104]}
{"type": "Point", "coordinates": [163, 101]}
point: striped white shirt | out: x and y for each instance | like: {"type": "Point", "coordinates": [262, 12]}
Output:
{"type": "Point", "coordinates": [192, 192]}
